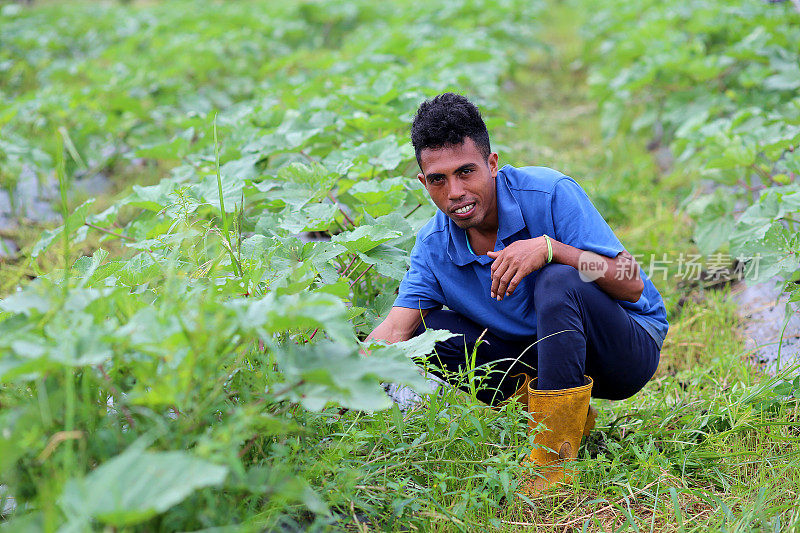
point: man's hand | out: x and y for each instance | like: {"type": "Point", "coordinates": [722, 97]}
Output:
{"type": "Point", "coordinates": [399, 325]}
{"type": "Point", "coordinates": [514, 262]}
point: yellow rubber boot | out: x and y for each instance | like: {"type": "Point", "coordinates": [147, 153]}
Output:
{"type": "Point", "coordinates": [564, 412]}
{"type": "Point", "coordinates": [591, 417]}
{"type": "Point", "coordinates": [521, 395]}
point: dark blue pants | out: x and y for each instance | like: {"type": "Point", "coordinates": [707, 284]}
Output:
{"type": "Point", "coordinates": [581, 330]}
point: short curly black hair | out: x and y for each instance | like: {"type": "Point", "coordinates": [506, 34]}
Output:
{"type": "Point", "coordinates": [446, 120]}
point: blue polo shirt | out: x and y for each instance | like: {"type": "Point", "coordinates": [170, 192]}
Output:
{"type": "Point", "coordinates": [531, 201]}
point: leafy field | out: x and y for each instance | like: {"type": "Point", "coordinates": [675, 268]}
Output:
{"type": "Point", "coordinates": [186, 357]}
{"type": "Point", "coordinates": [718, 83]}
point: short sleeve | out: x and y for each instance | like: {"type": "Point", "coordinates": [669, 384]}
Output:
{"type": "Point", "coordinates": [578, 223]}
{"type": "Point", "coordinates": [419, 289]}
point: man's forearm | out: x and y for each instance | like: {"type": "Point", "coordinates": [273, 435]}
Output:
{"type": "Point", "coordinates": [619, 279]}
{"type": "Point", "coordinates": [386, 331]}
{"type": "Point", "coordinates": [399, 325]}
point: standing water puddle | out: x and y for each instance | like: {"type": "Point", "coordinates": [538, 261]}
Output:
{"type": "Point", "coordinates": [762, 308]}
{"type": "Point", "coordinates": [35, 201]}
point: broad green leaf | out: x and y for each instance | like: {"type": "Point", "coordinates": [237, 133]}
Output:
{"type": "Point", "coordinates": [379, 197]}
{"type": "Point", "coordinates": [71, 338]}
{"type": "Point", "coordinates": [176, 148]}
{"type": "Point", "coordinates": [256, 246]}
{"type": "Point", "coordinates": [787, 79]}
{"type": "Point", "coordinates": [153, 197]}
{"type": "Point", "coordinates": [232, 191]}
{"type": "Point", "coordinates": [277, 314]}
{"type": "Point", "coordinates": [712, 233]}
{"type": "Point", "coordinates": [384, 154]}
{"type": "Point", "coordinates": [737, 153]}
{"type": "Point", "coordinates": [365, 238]}
{"type": "Point", "coordinates": [776, 253]}
{"type": "Point", "coordinates": [311, 217]}
{"type": "Point", "coordinates": [138, 270]}
{"type": "Point", "coordinates": [73, 223]}
{"type": "Point", "coordinates": [313, 177]}
{"type": "Point", "coordinates": [418, 346]}
{"type": "Point", "coordinates": [240, 169]}
{"type": "Point", "coordinates": [332, 373]}
{"type": "Point", "coordinates": [33, 299]}
{"type": "Point", "coordinates": [32, 522]}
{"type": "Point", "coordinates": [137, 485]}
{"type": "Point", "coordinates": [714, 221]}
{"type": "Point", "coordinates": [87, 266]}
{"type": "Point", "coordinates": [389, 261]}
{"type": "Point", "coordinates": [322, 253]}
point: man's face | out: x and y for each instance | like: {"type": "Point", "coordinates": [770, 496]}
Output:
{"type": "Point", "coordinates": [461, 182]}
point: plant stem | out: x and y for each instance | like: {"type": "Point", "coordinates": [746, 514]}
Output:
{"type": "Point", "coordinates": [361, 275]}
{"type": "Point", "coordinates": [44, 403]}
{"type": "Point", "coordinates": [69, 382]}
{"type": "Point", "coordinates": [119, 235]}
{"type": "Point", "coordinates": [413, 211]}
{"type": "Point", "coordinates": [234, 262]}
{"type": "Point", "coordinates": [347, 270]}
{"type": "Point", "coordinates": [336, 203]}
{"type": "Point", "coordinates": [69, 417]}
{"type": "Point", "coordinates": [62, 189]}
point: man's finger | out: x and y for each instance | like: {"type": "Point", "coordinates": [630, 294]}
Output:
{"type": "Point", "coordinates": [499, 268]}
{"type": "Point", "coordinates": [512, 285]}
{"type": "Point", "coordinates": [498, 259]}
{"type": "Point", "coordinates": [496, 279]}
{"type": "Point", "coordinates": [507, 276]}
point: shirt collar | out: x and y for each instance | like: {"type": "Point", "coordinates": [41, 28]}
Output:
{"type": "Point", "coordinates": [510, 214]}
{"type": "Point", "coordinates": [510, 223]}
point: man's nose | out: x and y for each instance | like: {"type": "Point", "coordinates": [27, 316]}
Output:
{"type": "Point", "coordinates": [456, 189]}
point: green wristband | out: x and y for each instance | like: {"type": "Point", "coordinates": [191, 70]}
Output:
{"type": "Point", "coordinates": [549, 249]}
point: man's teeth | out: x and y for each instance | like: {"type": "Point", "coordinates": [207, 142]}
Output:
{"type": "Point", "coordinates": [464, 209]}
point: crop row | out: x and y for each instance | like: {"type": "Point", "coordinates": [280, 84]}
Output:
{"type": "Point", "coordinates": [195, 349]}
{"type": "Point", "coordinates": [718, 84]}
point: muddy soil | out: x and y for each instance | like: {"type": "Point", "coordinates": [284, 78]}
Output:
{"type": "Point", "coordinates": [763, 311]}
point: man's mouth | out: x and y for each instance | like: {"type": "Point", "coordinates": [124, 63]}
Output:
{"type": "Point", "coordinates": [464, 210]}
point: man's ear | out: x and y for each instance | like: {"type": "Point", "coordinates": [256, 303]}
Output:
{"type": "Point", "coordinates": [421, 178]}
{"type": "Point", "coordinates": [492, 161]}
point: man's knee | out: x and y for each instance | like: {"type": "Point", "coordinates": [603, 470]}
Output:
{"type": "Point", "coordinates": [554, 282]}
